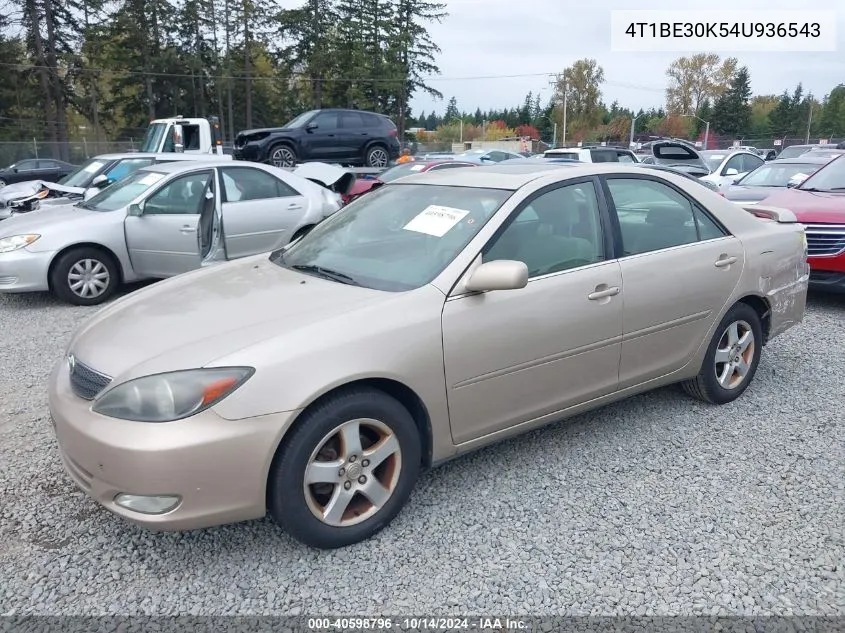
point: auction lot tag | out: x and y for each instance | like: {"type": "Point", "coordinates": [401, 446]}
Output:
{"type": "Point", "coordinates": [436, 220]}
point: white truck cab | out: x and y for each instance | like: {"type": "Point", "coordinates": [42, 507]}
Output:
{"type": "Point", "coordinates": [180, 134]}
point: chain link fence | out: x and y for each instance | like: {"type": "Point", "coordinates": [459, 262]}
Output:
{"type": "Point", "coordinates": [76, 151]}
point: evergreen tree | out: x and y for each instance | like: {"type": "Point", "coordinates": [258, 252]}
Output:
{"type": "Point", "coordinates": [732, 111]}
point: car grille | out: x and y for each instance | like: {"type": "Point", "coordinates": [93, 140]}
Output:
{"type": "Point", "coordinates": [84, 381]}
{"type": "Point", "coordinates": [825, 239]}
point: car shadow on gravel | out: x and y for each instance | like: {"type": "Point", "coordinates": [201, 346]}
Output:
{"type": "Point", "coordinates": [25, 301]}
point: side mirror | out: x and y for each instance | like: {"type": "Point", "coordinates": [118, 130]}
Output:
{"type": "Point", "coordinates": [483, 158]}
{"type": "Point", "coordinates": [99, 180]}
{"type": "Point", "coordinates": [135, 210]}
{"type": "Point", "coordinates": [15, 169]}
{"type": "Point", "coordinates": [311, 126]}
{"type": "Point", "coordinates": [731, 172]}
{"type": "Point", "coordinates": [501, 274]}
{"type": "Point", "coordinates": [792, 184]}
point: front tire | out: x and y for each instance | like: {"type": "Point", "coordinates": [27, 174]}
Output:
{"type": "Point", "coordinates": [282, 156]}
{"type": "Point", "coordinates": [84, 276]}
{"type": "Point", "coordinates": [732, 357]}
{"type": "Point", "coordinates": [377, 157]}
{"type": "Point", "coordinates": [345, 470]}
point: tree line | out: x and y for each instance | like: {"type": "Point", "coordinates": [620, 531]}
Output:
{"type": "Point", "coordinates": [104, 69]}
{"type": "Point", "coordinates": [701, 88]}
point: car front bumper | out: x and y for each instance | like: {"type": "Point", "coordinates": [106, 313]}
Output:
{"type": "Point", "coordinates": [251, 152]}
{"type": "Point", "coordinates": [218, 468]}
{"type": "Point", "coordinates": [827, 274]}
{"type": "Point", "coordinates": [25, 271]}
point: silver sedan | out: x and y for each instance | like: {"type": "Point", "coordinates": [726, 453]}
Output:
{"type": "Point", "coordinates": [161, 221]}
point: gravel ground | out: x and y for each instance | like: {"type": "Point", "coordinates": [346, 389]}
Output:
{"type": "Point", "coordinates": [655, 506]}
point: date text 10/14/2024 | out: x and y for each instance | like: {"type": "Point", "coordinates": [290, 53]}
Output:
{"type": "Point", "coordinates": [480, 624]}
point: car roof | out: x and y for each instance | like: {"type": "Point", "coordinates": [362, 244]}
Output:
{"type": "Point", "coordinates": [187, 165]}
{"type": "Point", "coordinates": [513, 177]}
{"type": "Point", "coordinates": [173, 156]}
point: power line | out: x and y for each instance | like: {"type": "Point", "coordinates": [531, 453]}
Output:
{"type": "Point", "coordinates": [298, 76]}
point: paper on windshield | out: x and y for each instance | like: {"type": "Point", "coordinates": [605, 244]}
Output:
{"type": "Point", "coordinates": [799, 177]}
{"type": "Point", "coordinates": [151, 179]}
{"type": "Point", "coordinates": [92, 167]}
{"type": "Point", "coordinates": [417, 167]}
{"type": "Point", "coordinates": [436, 220]}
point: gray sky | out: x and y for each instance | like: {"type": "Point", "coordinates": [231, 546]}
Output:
{"type": "Point", "coordinates": [506, 37]}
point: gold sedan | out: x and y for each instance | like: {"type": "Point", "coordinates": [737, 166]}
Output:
{"type": "Point", "coordinates": [436, 315]}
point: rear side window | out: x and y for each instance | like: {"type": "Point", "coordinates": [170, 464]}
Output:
{"type": "Point", "coordinates": [351, 120]}
{"type": "Point", "coordinates": [372, 120]}
{"type": "Point", "coordinates": [654, 216]}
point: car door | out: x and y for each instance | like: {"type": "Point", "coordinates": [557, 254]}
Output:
{"type": "Point", "coordinates": [354, 135]}
{"type": "Point", "coordinates": [260, 211]}
{"type": "Point", "coordinates": [48, 170]}
{"type": "Point", "coordinates": [23, 170]}
{"type": "Point", "coordinates": [679, 267]}
{"type": "Point", "coordinates": [513, 356]}
{"type": "Point", "coordinates": [324, 140]}
{"type": "Point", "coordinates": [162, 241]}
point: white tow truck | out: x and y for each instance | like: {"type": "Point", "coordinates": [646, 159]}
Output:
{"type": "Point", "coordinates": [180, 134]}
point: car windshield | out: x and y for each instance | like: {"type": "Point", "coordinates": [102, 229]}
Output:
{"type": "Point", "coordinates": [300, 120]}
{"type": "Point", "coordinates": [397, 238]}
{"type": "Point", "coordinates": [778, 175]}
{"type": "Point", "coordinates": [405, 169]}
{"type": "Point", "coordinates": [123, 192]}
{"type": "Point", "coordinates": [794, 151]}
{"type": "Point", "coordinates": [82, 175]}
{"type": "Point", "coordinates": [152, 139]}
{"type": "Point", "coordinates": [830, 177]}
{"type": "Point", "coordinates": [713, 160]}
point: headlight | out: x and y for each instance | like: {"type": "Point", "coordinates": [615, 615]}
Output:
{"type": "Point", "coordinates": [171, 396]}
{"type": "Point", "coordinates": [13, 243]}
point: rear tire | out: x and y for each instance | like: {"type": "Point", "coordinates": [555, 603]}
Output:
{"type": "Point", "coordinates": [282, 156]}
{"type": "Point", "coordinates": [732, 358]}
{"type": "Point", "coordinates": [361, 451]}
{"type": "Point", "coordinates": [84, 276]}
{"type": "Point", "coordinates": [377, 157]}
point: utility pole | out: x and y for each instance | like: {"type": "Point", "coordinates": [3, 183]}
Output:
{"type": "Point", "coordinates": [809, 117]}
{"type": "Point", "coordinates": [631, 142]}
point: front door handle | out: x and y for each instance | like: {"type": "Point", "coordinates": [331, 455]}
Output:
{"type": "Point", "coordinates": [188, 229]}
{"type": "Point", "coordinates": [294, 207]}
{"type": "Point", "coordinates": [724, 260]}
{"type": "Point", "coordinates": [603, 291]}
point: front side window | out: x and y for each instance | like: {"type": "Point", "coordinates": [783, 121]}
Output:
{"type": "Point", "coordinates": [556, 231]}
{"type": "Point", "coordinates": [326, 121]}
{"type": "Point", "coordinates": [181, 196]}
{"type": "Point", "coordinates": [750, 163]}
{"type": "Point", "coordinates": [398, 237]}
{"type": "Point", "coordinates": [734, 163]}
{"type": "Point", "coordinates": [82, 175]}
{"type": "Point", "coordinates": [26, 165]}
{"type": "Point", "coordinates": [241, 184]}
{"type": "Point", "coordinates": [653, 216]}
{"type": "Point", "coordinates": [713, 161]}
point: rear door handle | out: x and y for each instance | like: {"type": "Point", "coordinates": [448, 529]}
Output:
{"type": "Point", "coordinates": [612, 291]}
{"type": "Point", "coordinates": [725, 261]}
{"type": "Point", "coordinates": [294, 207]}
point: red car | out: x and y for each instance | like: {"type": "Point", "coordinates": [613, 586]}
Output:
{"type": "Point", "coordinates": [363, 185]}
{"type": "Point", "coordinates": [819, 204]}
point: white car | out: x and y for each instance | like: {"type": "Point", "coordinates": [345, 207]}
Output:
{"type": "Point", "coordinates": [730, 165]}
{"type": "Point", "coordinates": [593, 154]}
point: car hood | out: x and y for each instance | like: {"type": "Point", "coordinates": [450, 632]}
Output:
{"type": "Point", "coordinates": [193, 319]}
{"type": "Point", "coordinates": [811, 206]}
{"type": "Point", "coordinates": [263, 130]}
{"type": "Point", "coordinates": [48, 216]}
{"type": "Point", "coordinates": [332, 177]}
{"type": "Point", "coordinates": [738, 193]}
{"type": "Point", "coordinates": [31, 187]}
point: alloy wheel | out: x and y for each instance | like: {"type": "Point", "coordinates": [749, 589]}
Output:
{"type": "Point", "coordinates": [88, 278]}
{"type": "Point", "coordinates": [378, 158]}
{"type": "Point", "coordinates": [353, 472]}
{"type": "Point", "coordinates": [734, 354]}
{"type": "Point", "coordinates": [283, 157]}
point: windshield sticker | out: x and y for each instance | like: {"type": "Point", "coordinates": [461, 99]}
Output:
{"type": "Point", "coordinates": [417, 167]}
{"type": "Point", "coordinates": [436, 220]}
{"type": "Point", "coordinates": [797, 177]}
{"type": "Point", "coordinates": [151, 179]}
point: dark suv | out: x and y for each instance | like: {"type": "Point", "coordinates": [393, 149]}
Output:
{"type": "Point", "coordinates": [335, 136]}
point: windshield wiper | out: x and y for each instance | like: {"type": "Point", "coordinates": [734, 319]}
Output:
{"type": "Point", "coordinates": [326, 273]}
{"type": "Point", "coordinates": [812, 189]}
{"type": "Point", "coordinates": [84, 205]}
